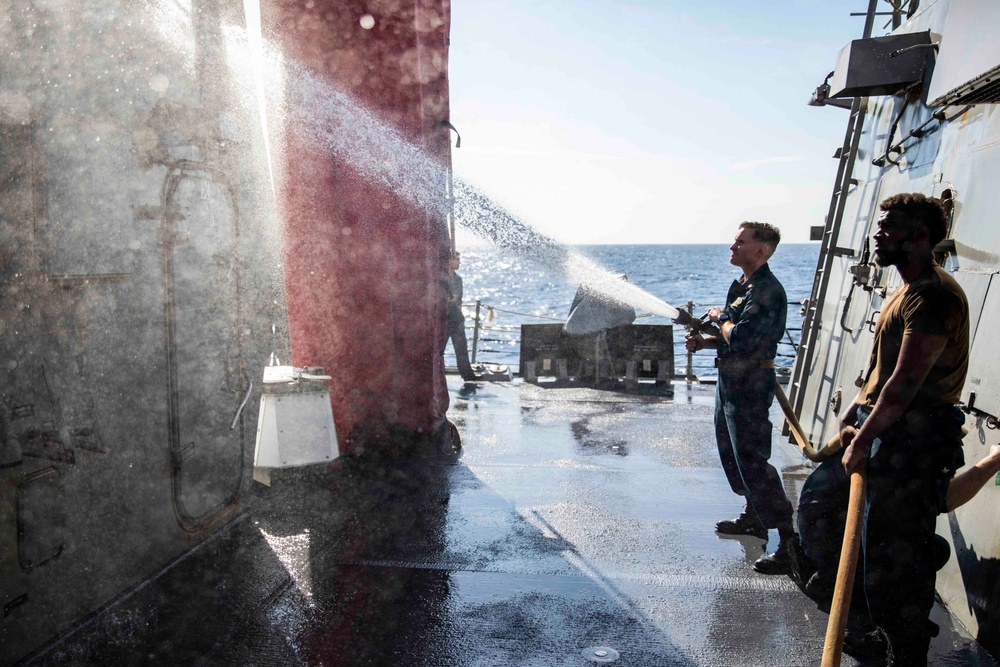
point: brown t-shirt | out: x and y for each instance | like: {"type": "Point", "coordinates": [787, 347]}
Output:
{"type": "Point", "coordinates": [933, 304]}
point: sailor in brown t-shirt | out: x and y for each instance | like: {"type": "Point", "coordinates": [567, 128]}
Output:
{"type": "Point", "coordinates": [905, 429]}
{"type": "Point", "coordinates": [933, 310]}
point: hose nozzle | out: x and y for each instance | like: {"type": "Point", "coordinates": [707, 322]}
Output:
{"type": "Point", "coordinates": [683, 318]}
{"type": "Point", "coordinates": [696, 324]}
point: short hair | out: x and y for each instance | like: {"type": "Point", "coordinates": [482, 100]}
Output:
{"type": "Point", "coordinates": [764, 232]}
{"type": "Point", "coordinates": [920, 210]}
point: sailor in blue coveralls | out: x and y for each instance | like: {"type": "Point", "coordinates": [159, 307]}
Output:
{"type": "Point", "coordinates": [751, 324]}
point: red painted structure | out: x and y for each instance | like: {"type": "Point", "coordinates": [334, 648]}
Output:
{"type": "Point", "coordinates": [363, 268]}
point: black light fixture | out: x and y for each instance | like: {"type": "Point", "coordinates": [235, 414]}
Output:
{"type": "Point", "coordinates": [821, 96]}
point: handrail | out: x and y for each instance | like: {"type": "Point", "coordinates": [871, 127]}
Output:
{"type": "Point", "coordinates": [478, 304]}
{"type": "Point", "coordinates": [479, 327]}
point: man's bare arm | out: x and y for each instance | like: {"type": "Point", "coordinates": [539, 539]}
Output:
{"type": "Point", "coordinates": [967, 483]}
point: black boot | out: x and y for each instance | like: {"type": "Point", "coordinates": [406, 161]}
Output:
{"type": "Point", "coordinates": [786, 559]}
{"type": "Point", "coordinates": [746, 523]}
{"type": "Point", "coordinates": [779, 562]}
{"type": "Point", "coordinates": [910, 649]}
{"type": "Point", "coordinates": [819, 587]}
{"type": "Point", "coordinates": [867, 644]}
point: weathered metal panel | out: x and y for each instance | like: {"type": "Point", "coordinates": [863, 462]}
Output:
{"type": "Point", "coordinates": [365, 263]}
{"type": "Point", "coordinates": [137, 279]}
{"type": "Point", "coordinates": [969, 52]}
{"type": "Point", "coordinates": [982, 387]}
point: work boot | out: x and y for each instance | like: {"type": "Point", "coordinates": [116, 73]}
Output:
{"type": "Point", "coordinates": [778, 562]}
{"type": "Point", "coordinates": [745, 524]}
{"type": "Point", "coordinates": [819, 587]}
{"type": "Point", "coordinates": [786, 559]}
{"type": "Point", "coordinates": [909, 650]}
{"type": "Point", "coordinates": [868, 645]}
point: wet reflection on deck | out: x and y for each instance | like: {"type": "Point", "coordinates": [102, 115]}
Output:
{"type": "Point", "coordinates": [572, 520]}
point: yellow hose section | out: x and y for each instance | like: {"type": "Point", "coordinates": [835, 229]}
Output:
{"type": "Point", "coordinates": [806, 447]}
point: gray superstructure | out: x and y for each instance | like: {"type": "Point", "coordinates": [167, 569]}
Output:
{"type": "Point", "coordinates": [922, 118]}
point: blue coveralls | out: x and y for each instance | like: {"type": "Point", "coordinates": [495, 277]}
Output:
{"type": "Point", "coordinates": [745, 391]}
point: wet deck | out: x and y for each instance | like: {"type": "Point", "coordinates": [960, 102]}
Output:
{"type": "Point", "coordinates": [573, 521]}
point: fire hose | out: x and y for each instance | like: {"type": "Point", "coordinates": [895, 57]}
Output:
{"type": "Point", "coordinates": [833, 648]}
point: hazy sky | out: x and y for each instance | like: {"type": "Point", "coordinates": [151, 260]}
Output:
{"type": "Point", "coordinates": [659, 121]}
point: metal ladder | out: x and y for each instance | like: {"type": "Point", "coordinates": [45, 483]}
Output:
{"type": "Point", "coordinates": [828, 250]}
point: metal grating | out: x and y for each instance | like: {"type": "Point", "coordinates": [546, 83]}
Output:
{"type": "Point", "coordinates": [984, 89]}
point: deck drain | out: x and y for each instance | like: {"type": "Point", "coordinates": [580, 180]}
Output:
{"type": "Point", "coordinates": [601, 654]}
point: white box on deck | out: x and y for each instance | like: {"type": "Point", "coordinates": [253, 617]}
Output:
{"type": "Point", "coordinates": [295, 426]}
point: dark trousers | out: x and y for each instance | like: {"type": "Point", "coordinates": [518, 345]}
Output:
{"type": "Point", "coordinates": [908, 476]}
{"type": "Point", "coordinates": [456, 332]}
{"type": "Point", "coordinates": [822, 515]}
{"type": "Point", "coordinates": [743, 434]}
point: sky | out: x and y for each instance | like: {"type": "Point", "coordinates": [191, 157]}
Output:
{"type": "Point", "coordinates": [649, 121]}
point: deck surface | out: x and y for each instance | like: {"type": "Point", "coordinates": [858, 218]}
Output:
{"type": "Point", "coordinates": [574, 521]}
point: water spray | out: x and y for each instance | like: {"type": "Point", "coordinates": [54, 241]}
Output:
{"type": "Point", "coordinates": [336, 123]}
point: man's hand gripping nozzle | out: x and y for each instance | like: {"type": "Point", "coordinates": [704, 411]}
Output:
{"type": "Point", "coordinates": [697, 325]}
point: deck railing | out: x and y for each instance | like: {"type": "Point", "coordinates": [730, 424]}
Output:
{"type": "Point", "coordinates": [485, 331]}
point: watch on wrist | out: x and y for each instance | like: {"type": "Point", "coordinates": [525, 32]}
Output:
{"type": "Point", "coordinates": [724, 317]}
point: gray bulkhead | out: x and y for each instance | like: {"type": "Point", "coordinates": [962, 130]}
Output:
{"type": "Point", "coordinates": [136, 300]}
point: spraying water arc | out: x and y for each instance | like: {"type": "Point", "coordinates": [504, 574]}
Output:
{"type": "Point", "coordinates": [333, 121]}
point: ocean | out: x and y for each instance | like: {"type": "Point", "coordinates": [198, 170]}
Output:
{"type": "Point", "coordinates": [522, 292]}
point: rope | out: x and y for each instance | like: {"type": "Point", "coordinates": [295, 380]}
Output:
{"type": "Point", "coordinates": [560, 319]}
{"type": "Point", "coordinates": [505, 328]}
{"type": "Point", "coordinates": [790, 303]}
{"type": "Point", "coordinates": [513, 312]}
